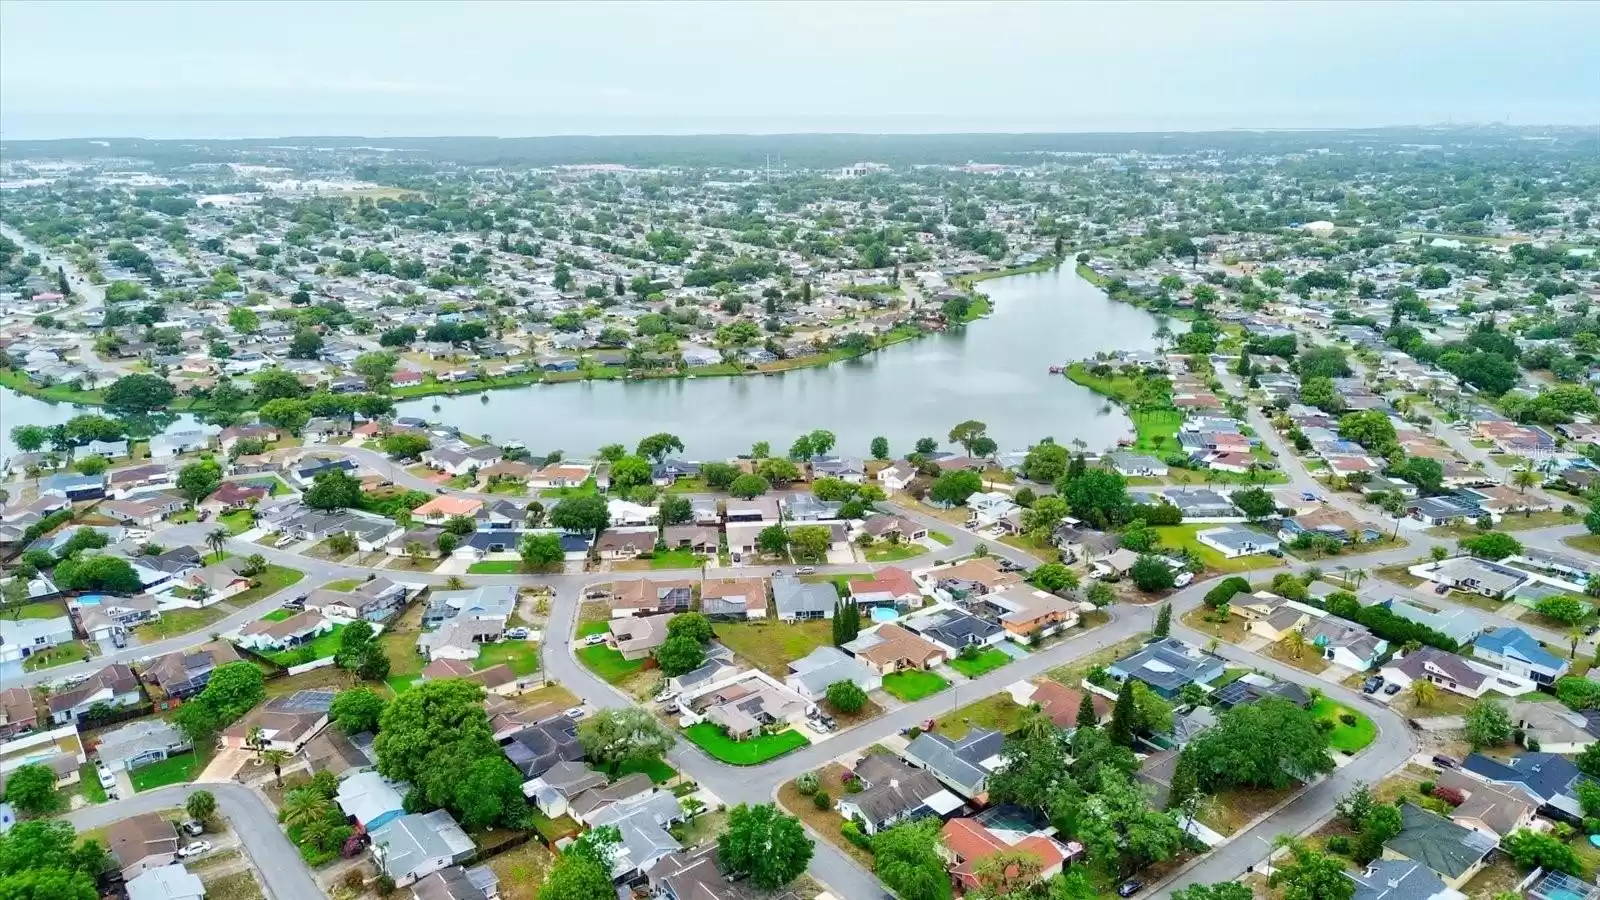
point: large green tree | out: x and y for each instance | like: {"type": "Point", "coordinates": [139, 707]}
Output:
{"type": "Point", "coordinates": [139, 393]}
{"type": "Point", "coordinates": [765, 844]}
{"type": "Point", "coordinates": [1269, 744]}
{"type": "Point", "coordinates": [612, 738]}
{"type": "Point", "coordinates": [906, 859]}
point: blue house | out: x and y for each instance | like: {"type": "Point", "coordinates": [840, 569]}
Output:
{"type": "Point", "coordinates": [74, 487]}
{"type": "Point", "coordinates": [1519, 653]}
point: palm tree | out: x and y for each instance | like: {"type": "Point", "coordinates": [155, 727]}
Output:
{"type": "Point", "coordinates": [1424, 692]}
{"type": "Point", "coordinates": [216, 538]}
{"type": "Point", "coordinates": [1295, 643]}
{"type": "Point", "coordinates": [276, 759]}
{"type": "Point", "coordinates": [1574, 638]}
{"type": "Point", "coordinates": [1355, 577]}
{"type": "Point", "coordinates": [1525, 478]}
{"type": "Point", "coordinates": [302, 806]}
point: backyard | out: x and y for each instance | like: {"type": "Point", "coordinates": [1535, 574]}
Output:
{"type": "Point", "coordinates": [1182, 537]}
{"type": "Point", "coordinates": [318, 647]}
{"type": "Point", "coordinates": [986, 660]}
{"type": "Point", "coordinates": [913, 684]}
{"type": "Point", "coordinates": [771, 645]}
{"type": "Point", "coordinates": [749, 752]}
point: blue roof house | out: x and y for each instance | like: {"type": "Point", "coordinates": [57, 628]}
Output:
{"type": "Point", "coordinates": [1519, 653]}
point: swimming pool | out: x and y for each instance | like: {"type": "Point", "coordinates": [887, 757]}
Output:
{"type": "Point", "coordinates": [884, 614]}
{"type": "Point", "coordinates": [90, 600]}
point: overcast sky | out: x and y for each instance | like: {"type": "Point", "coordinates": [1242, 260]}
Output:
{"type": "Point", "coordinates": [237, 69]}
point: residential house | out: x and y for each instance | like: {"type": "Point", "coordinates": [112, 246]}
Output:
{"type": "Point", "coordinates": [895, 792]}
{"type": "Point", "coordinates": [890, 586]}
{"type": "Point", "coordinates": [1253, 688]}
{"type": "Point", "coordinates": [1167, 665]}
{"type": "Point", "coordinates": [1233, 542]}
{"type": "Point", "coordinates": [952, 630]}
{"type": "Point", "coordinates": [141, 843]}
{"type": "Point", "coordinates": [1460, 625]}
{"type": "Point", "coordinates": [488, 601]}
{"type": "Point", "coordinates": [642, 596]}
{"type": "Point", "coordinates": [538, 747]}
{"type": "Point", "coordinates": [1478, 576]}
{"type": "Point", "coordinates": [991, 510]}
{"type": "Point", "coordinates": [734, 598]}
{"type": "Point", "coordinates": [460, 638]}
{"type": "Point", "coordinates": [140, 743]}
{"type": "Point", "coordinates": [300, 628]}
{"type": "Point", "coordinates": [897, 529]}
{"type": "Point", "coordinates": [637, 637]}
{"type": "Point", "coordinates": [459, 460]}
{"type": "Point", "coordinates": [417, 845]}
{"type": "Point", "coordinates": [811, 675]}
{"type": "Point", "coordinates": [73, 487]}
{"type": "Point", "coordinates": [377, 600]}
{"type": "Point", "coordinates": [370, 800]}
{"type": "Point", "coordinates": [185, 673]}
{"type": "Point", "coordinates": [1271, 616]}
{"type": "Point", "coordinates": [1553, 728]}
{"type": "Point", "coordinates": [1440, 511]}
{"type": "Point", "coordinates": [798, 600]}
{"type": "Point", "coordinates": [642, 825]}
{"type": "Point", "coordinates": [18, 712]}
{"type": "Point", "coordinates": [896, 476]}
{"type": "Point", "coordinates": [114, 615]}
{"type": "Point", "coordinates": [22, 638]}
{"type": "Point", "coordinates": [967, 843]}
{"type": "Point", "coordinates": [963, 765]}
{"type": "Point", "coordinates": [1027, 614]}
{"type": "Point", "coordinates": [169, 882]}
{"type": "Point", "coordinates": [1494, 809]}
{"type": "Point", "coordinates": [444, 507]}
{"type": "Point", "coordinates": [553, 791]}
{"type": "Point", "coordinates": [1400, 879]}
{"type": "Point", "coordinates": [1455, 852]}
{"type": "Point", "coordinates": [144, 512]}
{"type": "Point", "coordinates": [1548, 779]}
{"type": "Point", "coordinates": [458, 883]}
{"type": "Point", "coordinates": [216, 582]}
{"type": "Point", "coordinates": [625, 543]}
{"type": "Point", "coordinates": [1060, 703]}
{"type": "Point", "coordinates": [1519, 653]}
{"type": "Point", "coordinates": [286, 722]}
{"type": "Point", "coordinates": [890, 648]}
{"type": "Point", "coordinates": [1135, 465]}
{"type": "Point", "coordinates": [1456, 674]}
{"type": "Point", "coordinates": [746, 705]}
{"type": "Point", "coordinates": [113, 686]}
{"type": "Point", "coordinates": [1345, 643]}
{"type": "Point", "coordinates": [1328, 522]}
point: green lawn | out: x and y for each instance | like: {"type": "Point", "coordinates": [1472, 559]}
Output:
{"type": "Point", "coordinates": [268, 582]}
{"type": "Point", "coordinates": [659, 772]}
{"type": "Point", "coordinates": [343, 584]}
{"type": "Point", "coordinates": [940, 537]}
{"type": "Point", "coordinates": [1344, 737]}
{"type": "Point", "coordinates": [1588, 543]}
{"type": "Point", "coordinates": [997, 713]}
{"type": "Point", "coordinates": [750, 752]}
{"type": "Point", "coordinates": [496, 567]}
{"type": "Point", "coordinates": [770, 645]}
{"type": "Point", "coordinates": [1182, 537]}
{"type": "Point", "coordinates": [883, 551]}
{"type": "Point", "coordinates": [521, 656]}
{"type": "Point", "coordinates": [174, 622]}
{"type": "Point", "coordinates": [1156, 431]}
{"type": "Point", "coordinates": [607, 662]}
{"type": "Point", "coordinates": [89, 784]}
{"type": "Point", "coordinates": [317, 648]}
{"type": "Point", "coordinates": [587, 489]}
{"type": "Point", "coordinates": [589, 628]}
{"type": "Point", "coordinates": [172, 770]}
{"type": "Point", "coordinates": [682, 558]}
{"type": "Point", "coordinates": [59, 655]}
{"type": "Point", "coordinates": [986, 661]}
{"type": "Point", "coordinates": [278, 615]}
{"type": "Point", "coordinates": [237, 521]}
{"type": "Point", "coordinates": [40, 609]}
{"type": "Point", "coordinates": [913, 684]}
{"type": "Point", "coordinates": [184, 517]}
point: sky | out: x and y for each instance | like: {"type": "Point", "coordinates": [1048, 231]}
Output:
{"type": "Point", "coordinates": [122, 68]}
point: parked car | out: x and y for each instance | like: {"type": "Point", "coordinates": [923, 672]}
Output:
{"type": "Point", "coordinates": [806, 570]}
{"type": "Point", "coordinates": [1130, 887]}
{"type": "Point", "coordinates": [1371, 685]}
{"type": "Point", "coordinates": [194, 849]}
{"type": "Point", "coordinates": [593, 639]}
{"type": "Point", "coordinates": [517, 634]}
{"type": "Point", "coordinates": [1442, 589]}
{"type": "Point", "coordinates": [107, 780]}
{"type": "Point", "coordinates": [1183, 579]}
{"type": "Point", "coordinates": [193, 828]}
{"type": "Point", "coordinates": [577, 712]}
{"type": "Point", "coordinates": [1307, 496]}
{"type": "Point", "coordinates": [1444, 762]}
{"type": "Point", "coordinates": [1392, 689]}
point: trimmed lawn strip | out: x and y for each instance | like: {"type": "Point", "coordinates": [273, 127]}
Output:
{"type": "Point", "coordinates": [913, 684]}
{"type": "Point", "coordinates": [496, 567]}
{"type": "Point", "coordinates": [589, 628]}
{"type": "Point", "coordinates": [986, 661]}
{"type": "Point", "coordinates": [521, 656]}
{"type": "Point", "coordinates": [607, 662]}
{"type": "Point", "coordinates": [172, 770]}
{"type": "Point", "coordinates": [748, 752]}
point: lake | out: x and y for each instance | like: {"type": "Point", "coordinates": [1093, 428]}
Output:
{"type": "Point", "coordinates": [995, 370]}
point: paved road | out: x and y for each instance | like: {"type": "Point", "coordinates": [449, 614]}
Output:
{"type": "Point", "coordinates": [279, 863]}
{"type": "Point", "coordinates": [94, 297]}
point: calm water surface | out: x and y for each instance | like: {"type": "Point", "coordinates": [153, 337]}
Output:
{"type": "Point", "coordinates": [996, 371]}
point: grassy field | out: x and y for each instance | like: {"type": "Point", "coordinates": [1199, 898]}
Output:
{"type": "Point", "coordinates": [913, 684]}
{"type": "Point", "coordinates": [172, 770]}
{"type": "Point", "coordinates": [1588, 543]}
{"type": "Point", "coordinates": [1156, 431]}
{"type": "Point", "coordinates": [1234, 630]}
{"type": "Point", "coordinates": [749, 752]}
{"type": "Point", "coordinates": [343, 584]}
{"type": "Point", "coordinates": [174, 622]}
{"type": "Point", "coordinates": [987, 660]}
{"type": "Point", "coordinates": [589, 628]}
{"type": "Point", "coordinates": [607, 662]}
{"type": "Point", "coordinates": [39, 609]}
{"type": "Point", "coordinates": [1348, 738]}
{"type": "Point", "coordinates": [997, 713]}
{"type": "Point", "coordinates": [883, 551]}
{"type": "Point", "coordinates": [1182, 537]}
{"type": "Point", "coordinates": [521, 656]}
{"type": "Point", "coordinates": [771, 645]}
{"type": "Point", "coordinates": [320, 646]}
{"type": "Point", "coordinates": [1308, 660]}
{"type": "Point", "coordinates": [521, 871]}
{"type": "Point", "coordinates": [237, 521]}
{"type": "Point", "coordinates": [659, 772]}
{"type": "Point", "coordinates": [826, 822]}
{"type": "Point", "coordinates": [677, 559]}
{"type": "Point", "coordinates": [270, 581]}
{"type": "Point", "coordinates": [496, 567]}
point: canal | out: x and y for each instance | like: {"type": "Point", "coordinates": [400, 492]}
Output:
{"type": "Point", "coordinates": [995, 370]}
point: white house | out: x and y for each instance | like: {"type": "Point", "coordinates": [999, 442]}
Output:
{"type": "Point", "coordinates": [1233, 542]}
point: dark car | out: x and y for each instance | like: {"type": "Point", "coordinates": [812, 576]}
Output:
{"type": "Point", "coordinates": [1130, 887]}
{"type": "Point", "coordinates": [1444, 762]}
{"type": "Point", "coordinates": [1392, 689]}
{"type": "Point", "coordinates": [1371, 685]}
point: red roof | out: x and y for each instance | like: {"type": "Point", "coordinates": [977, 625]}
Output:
{"type": "Point", "coordinates": [972, 843]}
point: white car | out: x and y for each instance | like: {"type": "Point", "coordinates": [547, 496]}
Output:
{"type": "Point", "coordinates": [806, 570]}
{"type": "Point", "coordinates": [107, 780]}
{"type": "Point", "coordinates": [195, 849]}
{"type": "Point", "coordinates": [517, 634]}
{"type": "Point", "coordinates": [577, 712]}
{"type": "Point", "coordinates": [593, 639]}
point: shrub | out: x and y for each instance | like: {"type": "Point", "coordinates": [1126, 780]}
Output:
{"type": "Point", "coordinates": [821, 800]}
{"type": "Point", "coordinates": [853, 786]}
{"type": "Point", "coordinates": [1425, 789]}
{"type": "Point", "coordinates": [1434, 804]}
{"type": "Point", "coordinates": [853, 833]}
{"type": "Point", "coordinates": [1339, 844]}
{"type": "Point", "coordinates": [807, 783]}
{"type": "Point", "coordinates": [1451, 796]}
